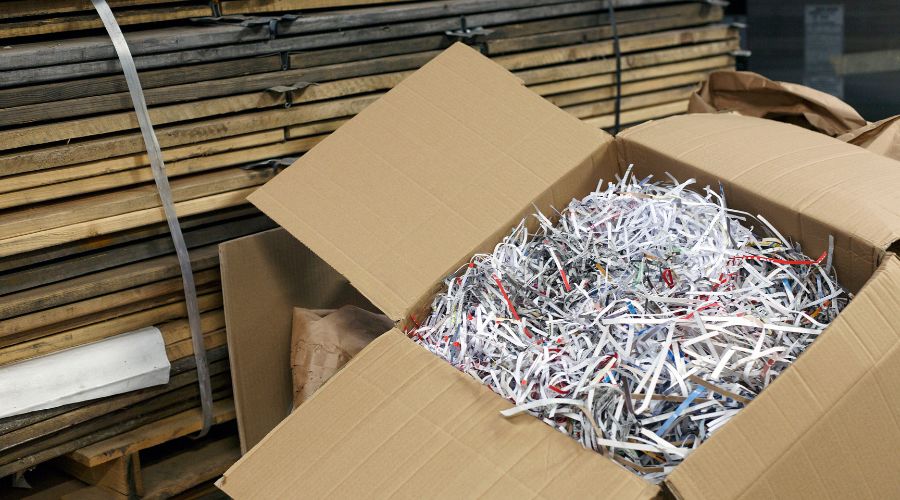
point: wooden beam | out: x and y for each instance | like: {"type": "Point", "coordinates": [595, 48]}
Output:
{"type": "Point", "coordinates": [202, 462]}
{"type": "Point", "coordinates": [28, 8]}
{"type": "Point", "coordinates": [161, 431]}
{"type": "Point", "coordinates": [83, 248]}
{"type": "Point", "coordinates": [122, 475]}
{"type": "Point", "coordinates": [105, 258]}
{"type": "Point", "coordinates": [87, 208]}
{"type": "Point", "coordinates": [177, 135]}
{"type": "Point", "coordinates": [20, 430]}
{"type": "Point", "coordinates": [117, 122]}
{"type": "Point", "coordinates": [73, 89]}
{"type": "Point", "coordinates": [92, 21]}
{"type": "Point", "coordinates": [570, 54]}
{"type": "Point", "coordinates": [104, 282]}
{"type": "Point", "coordinates": [140, 160]}
{"type": "Point", "coordinates": [103, 428]}
{"type": "Point", "coordinates": [640, 115]}
{"type": "Point", "coordinates": [126, 178]}
{"type": "Point", "coordinates": [98, 331]}
{"type": "Point", "coordinates": [103, 308]}
{"type": "Point", "coordinates": [642, 59]}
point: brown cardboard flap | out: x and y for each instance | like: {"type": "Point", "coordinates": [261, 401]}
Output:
{"type": "Point", "coordinates": [806, 184]}
{"type": "Point", "coordinates": [399, 422]}
{"type": "Point", "coordinates": [414, 183]}
{"type": "Point", "coordinates": [263, 277]}
{"type": "Point", "coordinates": [829, 427]}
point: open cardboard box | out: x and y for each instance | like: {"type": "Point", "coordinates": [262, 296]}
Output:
{"type": "Point", "coordinates": [442, 167]}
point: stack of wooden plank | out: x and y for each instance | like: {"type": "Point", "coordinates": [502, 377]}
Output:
{"type": "Point", "coordinates": [232, 84]}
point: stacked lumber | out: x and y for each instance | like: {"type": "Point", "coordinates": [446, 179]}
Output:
{"type": "Point", "coordinates": [232, 85]}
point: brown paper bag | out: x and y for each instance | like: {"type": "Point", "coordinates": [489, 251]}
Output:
{"type": "Point", "coordinates": [751, 94]}
{"type": "Point", "coordinates": [323, 341]}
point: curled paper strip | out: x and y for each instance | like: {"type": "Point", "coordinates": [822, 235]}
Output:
{"type": "Point", "coordinates": [640, 322]}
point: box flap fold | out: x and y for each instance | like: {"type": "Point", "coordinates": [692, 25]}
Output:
{"type": "Point", "coordinates": [398, 421]}
{"type": "Point", "coordinates": [414, 183]}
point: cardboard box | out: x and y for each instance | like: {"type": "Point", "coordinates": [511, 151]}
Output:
{"type": "Point", "coordinates": [441, 168]}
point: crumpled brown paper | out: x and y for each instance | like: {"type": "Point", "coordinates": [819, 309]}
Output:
{"type": "Point", "coordinates": [323, 341]}
{"type": "Point", "coordinates": [752, 94]}
{"type": "Point", "coordinates": [882, 137]}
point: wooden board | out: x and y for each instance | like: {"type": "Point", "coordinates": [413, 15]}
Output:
{"type": "Point", "coordinates": [104, 282]}
{"type": "Point", "coordinates": [630, 75]}
{"type": "Point", "coordinates": [167, 429]}
{"type": "Point", "coordinates": [102, 308]}
{"type": "Point", "coordinates": [628, 89]}
{"type": "Point", "coordinates": [25, 8]}
{"type": "Point", "coordinates": [569, 54]}
{"type": "Point", "coordinates": [640, 115]}
{"type": "Point", "coordinates": [308, 41]}
{"type": "Point", "coordinates": [606, 106]}
{"type": "Point", "coordinates": [129, 162]}
{"type": "Point", "coordinates": [562, 72]}
{"type": "Point", "coordinates": [181, 134]}
{"type": "Point", "coordinates": [73, 232]}
{"type": "Point", "coordinates": [244, 6]}
{"type": "Point", "coordinates": [16, 431]}
{"type": "Point", "coordinates": [104, 428]}
{"type": "Point", "coordinates": [308, 72]}
{"type": "Point", "coordinates": [99, 331]}
{"type": "Point", "coordinates": [92, 21]}
{"type": "Point", "coordinates": [91, 245]}
{"type": "Point", "coordinates": [204, 462]}
{"type": "Point", "coordinates": [678, 17]}
{"type": "Point", "coordinates": [185, 348]}
{"type": "Point", "coordinates": [117, 122]}
{"type": "Point", "coordinates": [125, 178]}
{"type": "Point", "coordinates": [111, 256]}
{"type": "Point", "coordinates": [122, 475]}
{"type": "Point", "coordinates": [73, 89]}
{"type": "Point", "coordinates": [95, 207]}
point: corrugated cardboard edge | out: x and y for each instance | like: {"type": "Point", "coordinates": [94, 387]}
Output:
{"type": "Point", "coordinates": [418, 400]}
{"type": "Point", "coordinates": [829, 427]}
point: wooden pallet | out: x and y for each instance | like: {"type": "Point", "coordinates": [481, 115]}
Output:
{"type": "Point", "coordinates": [132, 465]}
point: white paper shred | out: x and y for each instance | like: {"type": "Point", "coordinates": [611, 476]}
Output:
{"type": "Point", "coordinates": [639, 323]}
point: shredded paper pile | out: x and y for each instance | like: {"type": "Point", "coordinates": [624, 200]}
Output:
{"type": "Point", "coordinates": [638, 324]}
